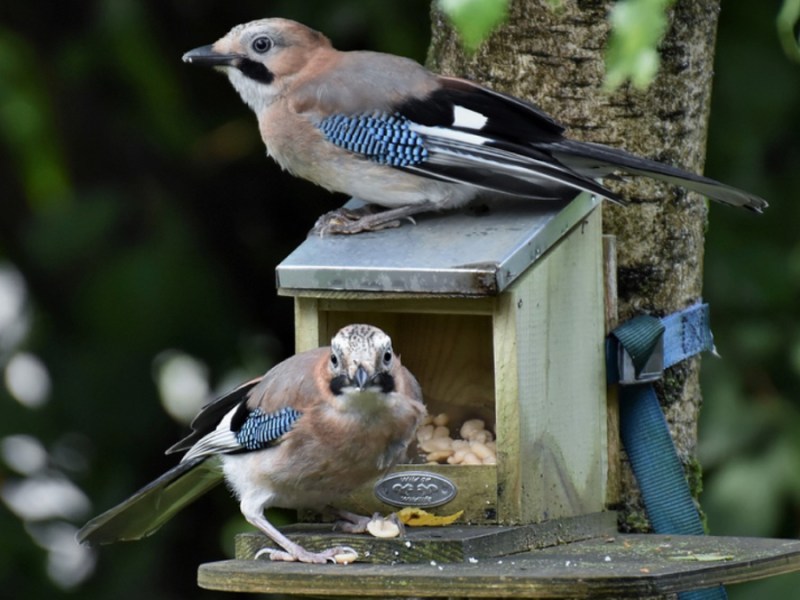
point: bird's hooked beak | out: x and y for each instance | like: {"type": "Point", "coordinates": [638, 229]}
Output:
{"type": "Point", "coordinates": [362, 378]}
{"type": "Point", "coordinates": [208, 57]}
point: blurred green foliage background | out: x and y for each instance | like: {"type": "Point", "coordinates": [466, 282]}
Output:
{"type": "Point", "coordinates": [140, 227]}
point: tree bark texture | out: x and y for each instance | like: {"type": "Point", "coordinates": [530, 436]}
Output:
{"type": "Point", "coordinates": [555, 58]}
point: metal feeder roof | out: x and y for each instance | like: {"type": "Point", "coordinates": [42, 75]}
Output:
{"type": "Point", "coordinates": [465, 252]}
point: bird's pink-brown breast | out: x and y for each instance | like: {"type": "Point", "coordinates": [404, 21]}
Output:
{"type": "Point", "coordinates": [330, 452]}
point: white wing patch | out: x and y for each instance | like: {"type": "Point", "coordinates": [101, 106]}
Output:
{"type": "Point", "coordinates": [219, 441]}
{"type": "Point", "coordinates": [464, 117]}
{"type": "Point", "coordinates": [448, 134]}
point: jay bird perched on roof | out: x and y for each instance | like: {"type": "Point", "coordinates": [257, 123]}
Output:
{"type": "Point", "coordinates": [311, 430]}
{"type": "Point", "coordinates": [387, 131]}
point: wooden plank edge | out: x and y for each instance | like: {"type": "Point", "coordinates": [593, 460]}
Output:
{"type": "Point", "coordinates": [492, 578]}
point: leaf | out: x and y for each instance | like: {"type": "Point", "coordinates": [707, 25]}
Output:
{"type": "Point", "coordinates": [709, 557]}
{"type": "Point", "coordinates": [417, 517]}
{"type": "Point", "coordinates": [474, 19]}
{"type": "Point", "coordinates": [787, 23]}
{"type": "Point", "coordinates": [637, 27]}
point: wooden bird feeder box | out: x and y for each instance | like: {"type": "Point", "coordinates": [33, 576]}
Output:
{"type": "Point", "coordinates": [500, 315]}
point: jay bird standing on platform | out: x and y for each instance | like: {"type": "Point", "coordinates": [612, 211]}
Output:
{"type": "Point", "coordinates": [385, 130]}
{"type": "Point", "coordinates": [311, 430]}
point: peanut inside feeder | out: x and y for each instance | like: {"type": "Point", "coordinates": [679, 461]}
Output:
{"type": "Point", "coordinates": [475, 446]}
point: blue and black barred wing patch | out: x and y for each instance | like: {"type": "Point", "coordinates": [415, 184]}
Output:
{"type": "Point", "coordinates": [260, 430]}
{"type": "Point", "coordinates": [381, 137]}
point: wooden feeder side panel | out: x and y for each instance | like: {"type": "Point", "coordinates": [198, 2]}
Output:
{"type": "Point", "coordinates": [550, 377]}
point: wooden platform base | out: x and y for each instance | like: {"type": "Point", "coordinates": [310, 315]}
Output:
{"type": "Point", "coordinates": [441, 544]}
{"type": "Point", "coordinates": [616, 565]}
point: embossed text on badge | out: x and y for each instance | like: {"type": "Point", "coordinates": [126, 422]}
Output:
{"type": "Point", "coordinates": [415, 488]}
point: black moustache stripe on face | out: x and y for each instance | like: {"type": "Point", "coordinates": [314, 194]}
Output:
{"type": "Point", "coordinates": [255, 71]}
{"type": "Point", "coordinates": [386, 382]}
{"type": "Point", "coordinates": [337, 384]}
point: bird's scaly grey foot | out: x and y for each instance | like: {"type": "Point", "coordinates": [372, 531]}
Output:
{"type": "Point", "coordinates": [350, 221]}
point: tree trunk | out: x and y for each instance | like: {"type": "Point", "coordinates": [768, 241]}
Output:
{"type": "Point", "coordinates": [555, 58]}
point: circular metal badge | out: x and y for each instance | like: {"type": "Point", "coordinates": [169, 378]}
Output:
{"type": "Point", "coordinates": [415, 488]}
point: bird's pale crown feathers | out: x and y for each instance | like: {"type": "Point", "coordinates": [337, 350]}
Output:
{"type": "Point", "coordinates": [361, 345]}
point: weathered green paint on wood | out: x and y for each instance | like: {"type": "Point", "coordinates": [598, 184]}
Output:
{"type": "Point", "coordinates": [550, 373]}
{"type": "Point", "coordinates": [620, 566]}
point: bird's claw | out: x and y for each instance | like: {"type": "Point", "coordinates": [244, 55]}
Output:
{"type": "Point", "coordinates": [269, 552]}
{"type": "Point", "coordinates": [339, 555]}
{"type": "Point", "coordinates": [347, 222]}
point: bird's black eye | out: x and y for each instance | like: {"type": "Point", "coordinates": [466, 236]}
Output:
{"type": "Point", "coordinates": [334, 361]}
{"type": "Point", "coordinates": [387, 357]}
{"type": "Point", "coordinates": [262, 44]}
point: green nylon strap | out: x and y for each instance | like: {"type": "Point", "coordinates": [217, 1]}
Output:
{"type": "Point", "coordinates": [639, 337]}
{"type": "Point", "coordinates": [643, 428]}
